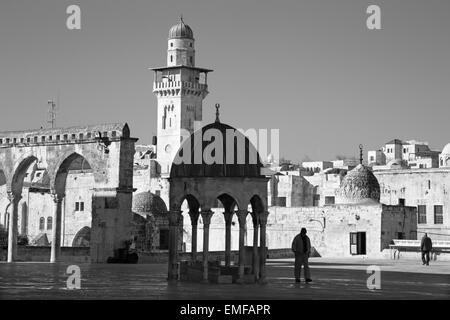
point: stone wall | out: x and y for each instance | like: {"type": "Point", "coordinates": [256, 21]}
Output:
{"type": "Point", "coordinates": [428, 187]}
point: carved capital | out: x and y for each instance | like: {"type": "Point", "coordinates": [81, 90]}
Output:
{"type": "Point", "coordinates": [175, 217]}
{"type": "Point", "coordinates": [58, 198]}
{"type": "Point", "coordinates": [228, 218]}
{"type": "Point", "coordinates": [14, 198]}
{"type": "Point", "coordinates": [206, 217]}
{"type": "Point", "coordinates": [263, 218]}
{"type": "Point", "coordinates": [255, 219]}
{"type": "Point", "coordinates": [194, 217]}
{"type": "Point", "coordinates": [242, 216]}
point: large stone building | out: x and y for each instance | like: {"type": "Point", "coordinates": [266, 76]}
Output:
{"type": "Point", "coordinates": [67, 187]}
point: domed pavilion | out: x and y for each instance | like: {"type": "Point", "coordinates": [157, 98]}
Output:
{"type": "Point", "coordinates": [218, 162]}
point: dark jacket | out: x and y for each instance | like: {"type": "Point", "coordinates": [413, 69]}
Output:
{"type": "Point", "coordinates": [297, 245]}
{"type": "Point", "coordinates": [426, 244]}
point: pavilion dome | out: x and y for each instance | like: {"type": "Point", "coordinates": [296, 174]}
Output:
{"type": "Point", "coordinates": [251, 167]}
{"type": "Point", "coordinates": [181, 30]}
{"type": "Point", "coordinates": [147, 202]}
{"type": "Point", "coordinates": [358, 186]}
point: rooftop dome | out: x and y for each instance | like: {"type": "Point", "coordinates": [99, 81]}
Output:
{"type": "Point", "coordinates": [446, 149]}
{"type": "Point", "coordinates": [251, 167]}
{"type": "Point", "coordinates": [147, 202]}
{"type": "Point", "coordinates": [359, 185]}
{"type": "Point", "coordinates": [181, 30]}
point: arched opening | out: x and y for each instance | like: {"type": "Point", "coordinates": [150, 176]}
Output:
{"type": "Point", "coordinates": [190, 208]}
{"type": "Point", "coordinates": [17, 207]}
{"type": "Point", "coordinates": [82, 238]}
{"type": "Point", "coordinates": [4, 207]}
{"type": "Point", "coordinates": [74, 187]}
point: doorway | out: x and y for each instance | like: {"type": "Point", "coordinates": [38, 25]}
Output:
{"type": "Point", "coordinates": [357, 243]}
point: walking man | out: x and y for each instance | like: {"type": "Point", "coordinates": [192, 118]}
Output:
{"type": "Point", "coordinates": [425, 248]}
{"type": "Point", "coordinates": [302, 249]}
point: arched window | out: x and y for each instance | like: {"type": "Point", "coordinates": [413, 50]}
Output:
{"type": "Point", "coordinates": [49, 223]}
{"type": "Point", "coordinates": [42, 223]}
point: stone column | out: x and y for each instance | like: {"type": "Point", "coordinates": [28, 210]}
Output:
{"type": "Point", "coordinates": [194, 223]}
{"type": "Point", "coordinates": [262, 268]}
{"type": "Point", "coordinates": [242, 217]}
{"type": "Point", "coordinates": [174, 222]}
{"type": "Point", "coordinates": [56, 227]}
{"type": "Point", "coordinates": [228, 220]}
{"type": "Point", "coordinates": [12, 227]}
{"type": "Point", "coordinates": [206, 217]}
{"type": "Point", "coordinates": [255, 261]}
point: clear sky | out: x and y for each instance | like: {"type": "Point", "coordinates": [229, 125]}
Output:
{"type": "Point", "coordinates": [309, 68]}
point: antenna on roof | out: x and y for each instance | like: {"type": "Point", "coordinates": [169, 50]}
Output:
{"type": "Point", "coordinates": [360, 154]}
{"type": "Point", "coordinates": [52, 113]}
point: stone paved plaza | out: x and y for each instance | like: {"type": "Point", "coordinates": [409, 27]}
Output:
{"type": "Point", "coordinates": [333, 279]}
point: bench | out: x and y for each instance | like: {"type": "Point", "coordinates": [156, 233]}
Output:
{"type": "Point", "coordinates": [399, 246]}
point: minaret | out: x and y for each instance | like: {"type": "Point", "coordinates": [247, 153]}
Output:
{"type": "Point", "coordinates": [180, 88]}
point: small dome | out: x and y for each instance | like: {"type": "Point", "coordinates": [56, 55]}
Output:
{"type": "Point", "coordinates": [147, 202]}
{"type": "Point", "coordinates": [446, 149]}
{"type": "Point", "coordinates": [181, 30]}
{"type": "Point", "coordinates": [359, 185]}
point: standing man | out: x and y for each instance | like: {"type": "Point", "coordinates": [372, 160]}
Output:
{"type": "Point", "coordinates": [302, 249]}
{"type": "Point", "coordinates": [425, 248]}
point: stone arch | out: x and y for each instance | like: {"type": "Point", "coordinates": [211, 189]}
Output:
{"type": "Point", "coordinates": [176, 201]}
{"type": "Point", "coordinates": [228, 202]}
{"type": "Point", "coordinates": [58, 173]}
{"type": "Point", "coordinates": [82, 238]}
{"type": "Point", "coordinates": [257, 204]}
{"type": "Point", "coordinates": [19, 172]}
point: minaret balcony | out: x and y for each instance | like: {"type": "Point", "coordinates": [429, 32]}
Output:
{"type": "Point", "coordinates": [178, 85]}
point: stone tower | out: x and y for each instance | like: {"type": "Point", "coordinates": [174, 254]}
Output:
{"type": "Point", "coordinates": [180, 88]}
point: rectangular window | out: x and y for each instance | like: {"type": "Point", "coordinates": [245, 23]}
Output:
{"type": "Point", "coordinates": [58, 137]}
{"type": "Point", "coordinates": [329, 200]}
{"type": "Point", "coordinates": [281, 201]}
{"type": "Point", "coordinates": [400, 235]}
{"type": "Point", "coordinates": [74, 136]}
{"type": "Point", "coordinates": [43, 138]}
{"type": "Point", "coordinates": [81, 206]}
{"type": "Point", "coordinates": [422, 214]}
{"type": "Point", "coordinates": [65, 137]}
{"type": "Point", "coordinates": [401, 202]}
{"type": "Point", "coordinates": [438, 215]}
{"type": "Point", "coordinates": [77, 206]}
{"type": "Point", "coordinates": [81, 136]}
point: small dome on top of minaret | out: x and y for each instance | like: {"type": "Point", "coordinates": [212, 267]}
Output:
{"type": "Point", "coordinates": [181, 30]}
